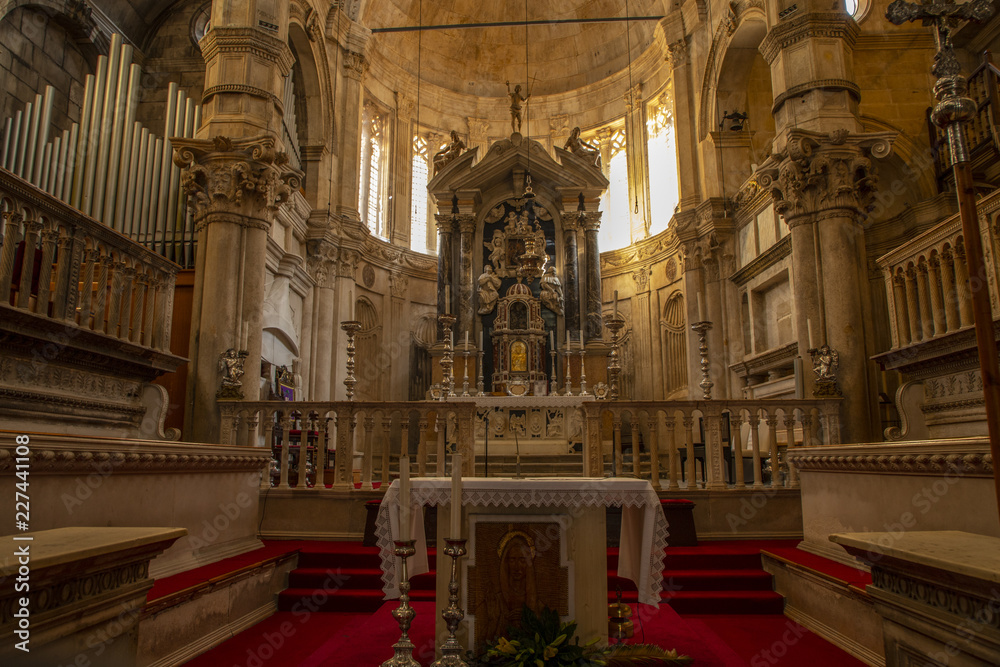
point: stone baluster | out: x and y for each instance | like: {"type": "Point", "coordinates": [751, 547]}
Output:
{"type": "Point", "coordinates": [902, 310]}
{"type": "Point", "coordinates": [950, 290]}
{"type": "Point", "coordinates": [673, 460]}
{"type": "Point", "coordinates": [344, 472]}
{"type": "Point", "coordinates": [962, 286]}
{"type": "Point", "coordinates": [793, 475]}
{"type": "Point", "coordinates": [384, 472]}
{"type": "Point", "coordinates": [912, 304]}
{"type": "Point", "coordinates": [367, 461]}
{"type": "Point", "coordinates": [755, 444]}
{"type": "Point", "coordinates": [50, 237]}
{"type": "Point", "coordinates": [923, 298]}
{"type": "Point", "coordinates": [617, 445]}
{"type": "Point", "coordinates": [653, 430]}
{"type": "Point", "coordinates": [937, 301]}
{"type": "Point", "coordinates": [322, 448]}
{"type": "Point", "coordinates": [304, 427]}
{"type": "Point", "coordinates": [285, 424]}
{"type": "Point", "coordinates": [422, 446]}
{"type": "Point", "coordinates": [691, 468]}
{"type": "Point", "coordinates": [772, 446]}
{"type": "Point", "coordinates": [11, 238]}
{"type": "Point", "coordinates": [636, 456]}
{"type": "Point", "coordinates": [736, 435]}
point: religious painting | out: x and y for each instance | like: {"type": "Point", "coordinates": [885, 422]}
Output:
{"type": "Point", "coordinates": [518, 357]}
{"type": "Point", "coordinates": [516, 564]}
{"type": "Point", "coordinates": [515, 248]}
{"type": "Point", "coordinates": [518, 318]}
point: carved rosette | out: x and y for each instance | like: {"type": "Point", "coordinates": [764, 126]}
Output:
{"type": "Point", "coordinates": [235, 180]}
{"type": "Point", "coordinates": [819, 173]}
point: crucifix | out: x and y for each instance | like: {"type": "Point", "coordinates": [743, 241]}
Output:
{"type": "Point", "coordinates": [952, 111]}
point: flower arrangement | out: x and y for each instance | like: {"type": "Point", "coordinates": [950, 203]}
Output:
{"type": "Point", "coordinates": [544, 641]}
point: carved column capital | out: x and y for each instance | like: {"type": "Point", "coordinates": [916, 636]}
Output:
{"type": "Point", "coordinates": [641, 278]}
{"type": "Point", "coordinates": [677, 52]}
{"type": "Point", "coordinates": [445, 222]}
{"type": "Point", "coordinates": [817, 173]}
{"type": "Point", "coordinates": [590, 220]}
{"type": "Point", "coordinates": [570, 220]}
{"type": "Point", "coordinates": [244, 181]}
{"type": "Point", "coordinates": [321, 260]}
{"type": "Point", "coordinates": [466, 223]}
{"type": "Point", "coordinates": [348, 264]}
{"type": "Point", "coordinates": [355, 65]}
{"type": "Point", "coordinates": [478, 127]}
{"type": "Point", "coordinates": [398, 283]}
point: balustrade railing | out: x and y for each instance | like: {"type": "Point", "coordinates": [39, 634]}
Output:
{"type": "Point", "coordinates": [350, 445]}
{"type": "Point", "coordinates": [59, 264]}
{"type": "Point", "coordinates": [927, 279]}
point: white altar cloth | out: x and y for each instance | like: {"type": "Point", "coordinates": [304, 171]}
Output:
{"type": "Point", "coordinates": [643, 533]}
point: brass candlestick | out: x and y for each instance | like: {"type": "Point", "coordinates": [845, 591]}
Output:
{"type": "Point", "coordinates": [479, 382]}
{"type": "Point", "coordinates": [451, 650]}
{"type": "Point", "coordinates": [706, 384]}
{"type": "Point", "coordinates": [448, 359]}
{"type": "Point", "coordinates": [554, 389]}
{"type": "Point", "coordinates": [352, 327]}
{"type": "Point", "coordinates": [465, 372]}
{"type": "Point", "coordinates": [569, 375]}
{"type": "Point", "coordinates": [583, 371]}
{"type": "Point", "coordinates": [403, 649]}
{"type": "Point", "coordinates": [615, 324]}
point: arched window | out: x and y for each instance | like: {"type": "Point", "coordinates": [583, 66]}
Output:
{"type": "Point", "coordinates": [663, 178]}
{"type": "Point", "coordinates": [421, 232]}
{"type": "Point", "coordinates": [372, 193]}
{"type": "Point", "coordinates": [615, 224]}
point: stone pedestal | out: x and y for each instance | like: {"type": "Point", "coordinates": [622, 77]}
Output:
{"type": "Point", "coordinates": [937, 592]}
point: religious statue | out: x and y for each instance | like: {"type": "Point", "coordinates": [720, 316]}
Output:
{"type": "Point", "coordinates": [444, 156]}
{"type": "Point", "coordinates": [489, 286]}
{"type": "Point", "coordinates": [496, 247]}
{"type": "Point", "coordinates": [514, 588]}
{"type": "Point", "coordinates": [586, 150]}
{"type": "Point", "coordinates": [552, 291]}
{"type": "Point", "coordinates": [825, 360]}
{"type": "Point", "coordinates": [231, 364]}
{"type": "Point", "coordinates": [515, 106]}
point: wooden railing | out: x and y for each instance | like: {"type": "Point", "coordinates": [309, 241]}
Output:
{"type": "Point", "coordinates": [59, 264]}
{"type": "Point", "coordinates": [927, 279]}
{"type": "Point", "coordinates": [354, 445]}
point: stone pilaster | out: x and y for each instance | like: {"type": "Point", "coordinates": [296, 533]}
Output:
{"type": "Point", "coordinates": [321, 262]}
{"type": "Point", "coordinates": [234, 188]}
{"type": "Point", "coordinates": [354, 65]}
{"type": "Point", "coordinates": [638, 167]}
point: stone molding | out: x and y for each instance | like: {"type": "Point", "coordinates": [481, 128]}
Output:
{"type": "Point", "coordinates": [820, 84]}
{"type": "Point", "coordinates": [246, 40]}
{"type": "Point", "coordinates": [763, 261]}
{"type": "Point", "coordinates": [243, 89]}
{"type": "Point", "coordinates": [242, 181]}
{"type": "Point", "coordinates": [71, 455]}
{"type": "Point", "coordinates": [960, 604]}
{"type": "Point", "coordinates": [963, 463]}
{"type": "Point", "coordinates": [825, 25]}
{"type": "Point", "coordinates": [649, 251]}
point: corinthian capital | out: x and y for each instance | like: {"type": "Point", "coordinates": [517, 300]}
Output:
{"type": "Point", "coordinates": [245, 180]}
{"type": "Point", "coordinates": [818, 172]}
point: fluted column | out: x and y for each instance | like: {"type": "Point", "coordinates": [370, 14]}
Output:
{"type": "Point", "coordinates": [591, 225]}
{"type": "Point", "coordinates": [571, 271]}
{"type": "Point", "coordinates": [949, 290]}
{"type": "Point", "coordinates": [913, 304]}
{"type": "Point", "coordinates": [902, 310]}
{"type": "Point", "coordinates": [466, 230]}
{"type": "Point", "coordinates": [322, 266]}
{"type": "Point", "coordinates": [937, 302]}
{"type": "Point", "coordinates": [445, 226]}
{"type": "Point", "coordinates": [924, 299]}
{"type": "Point", "coordinates": [962, 286]}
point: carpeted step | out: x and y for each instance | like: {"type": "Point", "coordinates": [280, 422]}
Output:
{"type": "Point", "coordinates": [698, 558]}
{"type": "Point", "coordinates": [725, 602]}
{"type": "Point", "coordinates": [342, 600]}
{"type": "Point", "coordinates": [703, 580]}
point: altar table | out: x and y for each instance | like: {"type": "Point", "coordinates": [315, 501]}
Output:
{"type": "Point", "coordinates": [643, 532]}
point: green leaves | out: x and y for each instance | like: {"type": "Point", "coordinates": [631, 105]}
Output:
{"type": "Point", "coordinates": [544, 641]}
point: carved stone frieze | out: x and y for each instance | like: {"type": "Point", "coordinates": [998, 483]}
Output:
{"type": "Point", "coordinates": [814, 25]}
{"type": "Point", "coordinates": [50, 458]}
{"type": "Point", "coordinates": [940, 597]}
{"type": "Point", "coordinates": [818, 173]}
{"type": "Point", "coordinates": [242, 181]}
{"type": "Point", "coordinates": [979, 464]}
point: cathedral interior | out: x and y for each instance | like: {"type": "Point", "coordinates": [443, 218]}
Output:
{"type": "Point", "coordinates": [254, 254]}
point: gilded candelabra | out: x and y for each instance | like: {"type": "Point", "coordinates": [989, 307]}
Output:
{"type": "Point", "coordinates": [583, 371]}
{"type": "Point", "coordinates": [554, 389]}
{"type": "Point", "coordinates": [448, 358]}
{"type": "Point", "coordinates": [615, 324]}
{"type": "Point", "coordinates": [569, 374]}
{"type": "Point", "coordinates": [352, 327]}
{"type": "Point", "coordinates": [465, 372]}
{"type": "Point", "coordinates": [451, 650]}
{"type": "Point", "coordinates": [403, 649]}
{"type": "Point", "coordinates": [706, 384]}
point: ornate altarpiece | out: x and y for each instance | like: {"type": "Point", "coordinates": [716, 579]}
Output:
{"type": "Point", "coordinates": [518, 256]}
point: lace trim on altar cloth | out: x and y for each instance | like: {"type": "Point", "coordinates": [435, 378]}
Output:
{"type": "Point", "coordinates": [577, 493]}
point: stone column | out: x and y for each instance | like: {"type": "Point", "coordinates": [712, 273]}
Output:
{"type": "Point", "coordinates": [467, 230]}
{"type": "Point", "coordinates": [402, 173]}
{"type": "Point", "coordinates": [805, 290]}
{"type": "Point", "coordinates": [399, 349]}
{"type": "Point", "coordinates": [322, 263]}
{"type": "Point", "coordinates": [638, 168]}
{"type": "Point", "coordinates": [235, 188]}
{"type": "Point", "coordinates": [445, 226]}
{"type": "Point", "coordinates": [937, 305]}
{"type": "Point", "coordinates": [902, 311]}
{"type": "Point", "coordinates": [591, 225]}
{"type": "Point", "coordinates": [571, 272]}
{"type": "Point", "coordinates": [674, 47]}
{"type": "Point", "coordinates": [346, 290]}
{"type": "Point", "coordinates": [826, 182]}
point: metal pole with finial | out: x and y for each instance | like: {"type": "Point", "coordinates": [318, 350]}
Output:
{"type": "Point", "coordinates": [954, 108]}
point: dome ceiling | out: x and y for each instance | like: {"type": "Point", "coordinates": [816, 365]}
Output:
{"type": "Point", "coordinates": [477, 61]}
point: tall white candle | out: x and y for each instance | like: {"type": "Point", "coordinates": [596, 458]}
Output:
{"type": "Point", "coordinates": [466, 340]}
{"type": "Point", "coordinates": [480, 339]}
{"type": "Point", "coordinates": [552, 340]}
{"type": "Point", "coordinates": [809, 327]}
{"type": "Point", "coordinates": [404, 498]}
{"type": "Point", "coordinates": [567, 340]}
{"type": "Point", "coordinates": [456, 495]}
{"type": "Point", "coordinates": [701, 309]}
{"type": "Point", "coordinates": [616, 303]}
{"type": "Point", "coordinates": [581, 339]}
{"type": "Point", "coordinates": [447, 299]}
{"type": "Point", "coordinates": [350, 303]}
